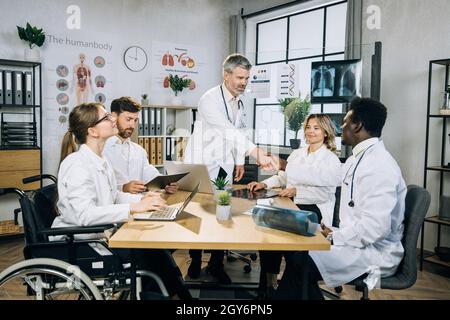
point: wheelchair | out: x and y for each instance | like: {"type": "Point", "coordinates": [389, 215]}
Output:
{"type": "Point", "coordinates": [67, 268]}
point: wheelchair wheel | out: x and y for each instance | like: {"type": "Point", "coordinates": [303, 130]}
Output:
{"type": "Point", "coordinates": [46, 279]}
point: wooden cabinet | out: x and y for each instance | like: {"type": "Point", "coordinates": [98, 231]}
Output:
{"type": "Point", "coordinates": [18, 164]}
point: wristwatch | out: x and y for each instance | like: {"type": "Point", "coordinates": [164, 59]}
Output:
{"type": "Point", "coordinates": [330, 237]}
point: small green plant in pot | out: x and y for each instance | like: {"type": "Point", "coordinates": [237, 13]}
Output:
{"type": "Point", "coordinates": [220, 185]}
{"type": "Point", "coordinates": [35, 38]}
{"type": "Point", "coordinates": [223, 208]}
{"type": "Point", "coordinates": [295, 111]}
{"type": "Point", "coordinates": [144, 99]}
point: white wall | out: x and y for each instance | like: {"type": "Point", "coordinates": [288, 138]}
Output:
{"type": "Point", "coordinates": [203, 23]}
{"type": "Point", "coordinates": [412, 32]}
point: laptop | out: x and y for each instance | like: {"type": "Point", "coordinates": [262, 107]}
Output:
{"type": "Point", "coordinates": [254, 195]}
{"type": "Point", "coordinates": [168, 213]}
{"type": "Point", "coordinates": [197, 172]}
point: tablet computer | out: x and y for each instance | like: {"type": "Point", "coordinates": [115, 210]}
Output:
{"type": "Point", "coordinates": [254, 195]}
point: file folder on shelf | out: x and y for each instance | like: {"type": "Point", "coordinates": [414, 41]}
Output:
{"type": "Point", "coordinates": [158, 121]}
{"type": "Point", "coordinates": [17, 87]}
{"type": "Point", "coordinates": [145, 122]}
{"type": "Point", "coordinates": [141, 122]}
{"type": "Point", "coordinates": [28, 88]}
{"type": "Point", "coordinates": [7, 87]}
{"type": "Point", "coordinates": [2, 101]}
{"type": "Point", "coordinates": [153, 151]}
{"type": "Point", "coordinates": [159, 152]}
{"type": "Point", "coordinates": [152, 121]}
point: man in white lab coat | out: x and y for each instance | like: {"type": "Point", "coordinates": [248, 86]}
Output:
{"type": "Point", "coordinates": [128, 159]}
{"type": "Point", "coordinates": [372, 206]}
{"type": "Point", "coordinates": [219, 143]}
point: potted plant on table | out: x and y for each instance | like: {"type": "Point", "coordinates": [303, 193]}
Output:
{"type": "Point", "coordinates": [295, 111]}
{"type": "Point", "coordinates": [223, 208]}
{"type": "Point", "coordinates": [177, 84]}
{"type": "Point", "coordinates": [220, 185]}
{"type": "Point", "coordinates": [35, 38]}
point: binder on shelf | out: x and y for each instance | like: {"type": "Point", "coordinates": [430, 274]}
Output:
{"type": "Point", "coordinates": [169, 149]}
{"type": "Point", "coordinates": [158, 121]}
{"type": "Point", "coordinates": [145, 121]}
{"type": "Point", "coordinates": [159, 152]}
{"type": "Point", "coordinates": [141, 124]}
{"type": "Point", "coordinates": [7, 87]}
{"type": "Point", "coordinates": [153, 151]}
{"type": "Point", "coordinates": [17, 87]}
{"type": "Point", "coordinates": [141, 142]}
{"type": "Point", "coordinates": [2, 101]}
{"type": "Point", "coordinates": [28, 88]}
{"type": "Point", "coordinates": [145, 146]}
{"type": "Point", "coordinates": [152, 117]}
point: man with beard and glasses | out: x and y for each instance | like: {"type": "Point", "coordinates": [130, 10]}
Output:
{"type": "Point", "coordinates": [128, 159]}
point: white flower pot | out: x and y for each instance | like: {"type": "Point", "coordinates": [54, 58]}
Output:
{"type": "Point", "coordinates": [144, 102]}
{"type": "Point", "coordinates": [32, 54]}
{"type": "Point", "coordinates": [177, 101]}
{"type": "Point", "coordinates": [223, 213]}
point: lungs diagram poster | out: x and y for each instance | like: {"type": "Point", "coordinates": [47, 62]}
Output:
{"type": "Point", "coordinates": [76, 69]}
{"type": "Point", "coordinates": [185, 61]}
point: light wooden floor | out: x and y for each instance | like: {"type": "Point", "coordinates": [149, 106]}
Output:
{"type": "Point", "coordinates": [428, 286]}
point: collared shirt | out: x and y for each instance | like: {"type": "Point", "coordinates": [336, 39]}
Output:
{"type": "Point", "coordinates": [129, 161]}
{"type": "Point", "coordinates": [363, 145]}
{"type": "Point", "coordinates": [87, 192]}
{"type": "Point", "coordinates": [232, 101]}
{"type": "Point", "coordinates": [307, 192]}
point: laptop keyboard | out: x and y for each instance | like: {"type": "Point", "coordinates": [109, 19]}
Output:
{"type": "Point", "coordinates": [165, 213]}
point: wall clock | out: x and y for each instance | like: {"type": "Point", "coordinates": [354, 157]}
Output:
{"type": "Point", "coordinates": [135, 58]}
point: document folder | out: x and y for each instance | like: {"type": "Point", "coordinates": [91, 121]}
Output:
{"type": "Point", "coordinates": [7, 86]}
{"type": "Point", "coordinates": [17, 88]}
{"type": "Point", "coordinates": [28, 88]}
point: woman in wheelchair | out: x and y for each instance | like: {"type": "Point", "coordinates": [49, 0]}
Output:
{"type": "Point", "coordinates": [319, 153]}
{"type": "Point", "coordinates": [88, 194]}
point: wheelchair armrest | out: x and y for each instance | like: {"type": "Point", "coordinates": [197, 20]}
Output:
{"type": "Point", "coordinates": [4, 191]}
{"type": "Point", "coordinates": [70, 231]}
{"type": "Point", "coordinates": [39, 177]}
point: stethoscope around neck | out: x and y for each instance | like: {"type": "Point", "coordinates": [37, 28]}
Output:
{"type": "Point", "coordinates": [240, 104]}
{"type": "Point", "coordinates": [351, 203]}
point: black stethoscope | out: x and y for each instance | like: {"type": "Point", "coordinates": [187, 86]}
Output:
{"type": "Point", "coordinates": [240, 104]}
{"type": "Point", "coordinates": [351, 204]}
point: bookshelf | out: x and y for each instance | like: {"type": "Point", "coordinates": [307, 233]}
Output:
{"type": "Point", "coordinates": [164, 130]}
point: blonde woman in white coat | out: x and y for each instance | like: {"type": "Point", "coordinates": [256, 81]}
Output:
{"type": "Point", "coordinates": [88, 195]}
{"type": "Point", "coordinates": [320, 153]}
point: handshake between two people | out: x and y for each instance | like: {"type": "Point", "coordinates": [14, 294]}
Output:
{"type": "Point", "coordinates": [264, 160]}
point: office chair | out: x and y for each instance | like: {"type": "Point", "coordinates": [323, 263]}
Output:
{"type": "Point", "coordinates": [66, 268]}
{"type": "Point", "coordinates": [417, 203]}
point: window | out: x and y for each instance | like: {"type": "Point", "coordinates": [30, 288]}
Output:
{"type": "Point", "coordinates": [316, 34]}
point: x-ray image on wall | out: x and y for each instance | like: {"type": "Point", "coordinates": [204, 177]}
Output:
{"type": "Point", "coordinates": [335, 81]}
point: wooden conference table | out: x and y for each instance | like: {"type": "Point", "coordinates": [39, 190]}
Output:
{"type": "Point", "coordinates": [197, 228]}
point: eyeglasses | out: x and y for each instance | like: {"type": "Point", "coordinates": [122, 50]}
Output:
{"type": "Point", "coordinates": [107, 116]}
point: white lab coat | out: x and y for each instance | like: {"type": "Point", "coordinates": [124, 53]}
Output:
{"type": "Point", "coordinates": [369, 236]}
{"type": "Point", "coordinates": [217, 142]}
{"type": "Point", "coordinates": [131, 165]}
{"type": "Point", "coordinates": [323, 197]}
{"type": "Point", "coordinates": [87, 191]}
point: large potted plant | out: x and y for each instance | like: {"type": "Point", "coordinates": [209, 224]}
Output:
{"type": "Point", "coordinates": [35, 38]}
{"type": "Point", "coordinates": [295, 111]}
{"type": "Point", "coordinates": [177, 84]}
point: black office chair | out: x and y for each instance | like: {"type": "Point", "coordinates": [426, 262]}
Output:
{"type": "Point", "coordinates": [44, 257]}
{"type": "Point", "coordinates": [416, 206]}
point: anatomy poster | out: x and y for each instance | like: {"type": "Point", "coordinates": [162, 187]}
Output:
{"type": "Point", "coordinates": [186, 61]}
{"type": "Point", "coordinates": [76, 69]}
